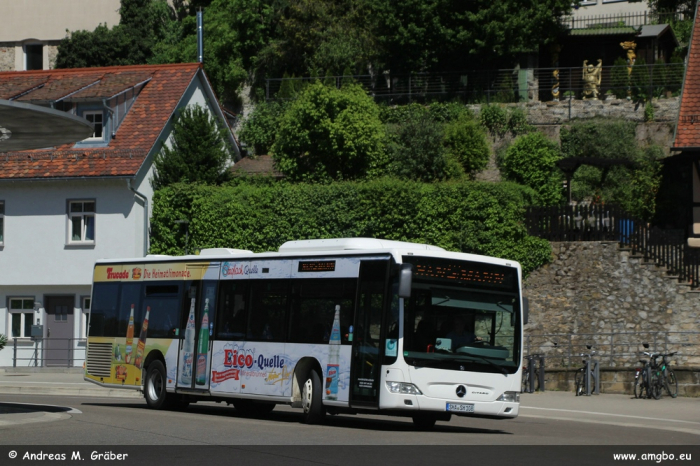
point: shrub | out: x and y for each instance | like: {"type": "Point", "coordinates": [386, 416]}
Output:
{"type": "Point", "coordinates": [329, 133]}
{"type": "Point", "coordinates": [600, 138]}
{"type": "Point", "coordinates": [517, 122]}
{"type": "Point", "coordinates": [531, 161]}
{"type": "Point", "coordinates": [619, 78]}
{"type": "Point", "coordinates": [259, 130]}
{"type": "Point", "coordinates": [639, 81]}
{"type": "Point", "coordinates": [415, 149]}
{"type": "Point", "coordinates": [466, 142]}
{"type": "Point", "coordinates": [482, 218]}
{"type": "Point", "coordinates": [494, 118]}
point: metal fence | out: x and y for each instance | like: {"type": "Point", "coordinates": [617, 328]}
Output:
{"type": "Point", "coordinates": [613, 349]}
{"type": "Point", "coordinates": [604, 23]}
{"type": "Point", "coordinates": [501, 86]}
{"type": "Point", "coordinates": [666, 248]}
{"type": "Point", "coordinates": [48, 352]}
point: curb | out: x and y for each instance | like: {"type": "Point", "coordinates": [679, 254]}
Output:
{"type": "Point", "coordinates": [78, 392]}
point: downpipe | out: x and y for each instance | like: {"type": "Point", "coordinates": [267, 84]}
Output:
{"type": "Point", "coordinates": [145, 215]}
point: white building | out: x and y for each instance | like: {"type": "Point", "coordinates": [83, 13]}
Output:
{"type": "Point", "coordinates": [32, 29]}
{"type": "Point", "coordinates": [62, 208]}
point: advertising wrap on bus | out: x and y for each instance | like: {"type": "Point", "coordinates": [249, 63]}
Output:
{"type": "Point", "coordinates": [329, 326]}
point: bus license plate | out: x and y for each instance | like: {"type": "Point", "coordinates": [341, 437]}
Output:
{"type": "Point", "coordinates": [460, 407]}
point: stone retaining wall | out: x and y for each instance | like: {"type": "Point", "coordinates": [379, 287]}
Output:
{"type": "Point", "coordinates": [621, 382]}
{"type": "Point", "coordinates": [559, 113]}
{"type": "Point", "coordinates": [594, 293]}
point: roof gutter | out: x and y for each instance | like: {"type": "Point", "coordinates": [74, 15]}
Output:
{"type": "Point", "coordinates": [145, 216]}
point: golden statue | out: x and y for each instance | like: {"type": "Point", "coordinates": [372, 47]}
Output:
{"type": "Point", "coordinates": [555, 86]}
{"type": "Point", "coordinates": [591, 79]}
{"type": "Point", "coordinates": [631, 57]}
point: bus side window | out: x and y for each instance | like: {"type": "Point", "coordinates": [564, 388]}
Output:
{"type": "Point", "coordinates": [130, 296]}
{"type": "Point", "coordinates": [189, 292]}
{"type": "Point", "coordinates": [232, 314]}
{"type": "Point", "coordinates": [268, 311]}
{"type": "Point", "coordinates": [313, 309]}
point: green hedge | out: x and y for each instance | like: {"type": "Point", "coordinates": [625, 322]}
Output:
{"type": "Point", "coordinates": [482, 218]}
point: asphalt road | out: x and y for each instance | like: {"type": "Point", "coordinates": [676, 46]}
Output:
{"type": "Point", "coordinates": [554, 428]}
{"type": "Point", "coordinates": [115, 421]}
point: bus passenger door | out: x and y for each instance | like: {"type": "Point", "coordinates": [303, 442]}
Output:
{"type": "Point", "coordinates": [194, 360]}
{"type": "Point", "coordinates": [367, 352]}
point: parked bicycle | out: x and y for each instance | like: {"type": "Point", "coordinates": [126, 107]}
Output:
{"type": "Point", "coordinates": [653, 377]}
{"type": "Point", "coordinates": [664, 378]}
{"type": "Point", "coordinates": [585, 379]}
{"type": "Point", "coordinates": [531, 377]}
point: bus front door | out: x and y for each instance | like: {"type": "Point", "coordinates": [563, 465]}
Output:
{"type": "Point", "coordinates": [367, 351]}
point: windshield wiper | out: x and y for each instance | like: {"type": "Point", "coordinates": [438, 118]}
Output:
{"type": "Point", "coordinates": [490, 363]}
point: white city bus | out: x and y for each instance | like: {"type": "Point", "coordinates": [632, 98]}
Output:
{"type": "Point", "coordinates": [353, 325]}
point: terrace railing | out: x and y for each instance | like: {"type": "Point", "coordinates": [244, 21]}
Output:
{"type": "Point", "coordinates": [604, 23]}
{"type": "Point", "coordinates": [501, 86]}
{"type": "Point", "coordinates": [666, 248]}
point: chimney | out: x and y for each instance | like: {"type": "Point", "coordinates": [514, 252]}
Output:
{"type": "Point", "coordinates": [200, 35]}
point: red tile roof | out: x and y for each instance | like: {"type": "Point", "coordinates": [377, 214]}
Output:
{"type": "Point", "coordinates": [688, 128]}
{"type": "Point", "coordinates": [263, 165]}
{"type": "Point", "coordinates": [135, 137]}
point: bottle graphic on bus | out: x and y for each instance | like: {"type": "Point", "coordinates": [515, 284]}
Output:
{"type": "Point", "coordinates": [129, 338]}
{"type": "Point", "coordinates": [203, 347]}
{"type": "Point", "coordinates": [141, 345]}
{"type": "Point", "coordinates": [332, 371]}
{"type": "Point", "coordinates": [188, 349]}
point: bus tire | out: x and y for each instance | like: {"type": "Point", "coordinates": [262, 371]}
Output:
{"type": "Point", "coordinates": [424, 421]}
{"type": "Point", "coordinates": [154, 389]}
{"type": "Point", "coordinates": [312, 399]}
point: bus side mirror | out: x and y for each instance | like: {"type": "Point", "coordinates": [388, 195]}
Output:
{"type": "Point", "coordinates": [405, 280]}
{"type": "Point", "coordinates": [526, 310]}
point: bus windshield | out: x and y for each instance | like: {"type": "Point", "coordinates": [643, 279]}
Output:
{"type": "Point", "coordinates": [462, 316]}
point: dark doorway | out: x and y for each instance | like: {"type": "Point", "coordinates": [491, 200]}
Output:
{"type": "Point", "coordinates": [58, 346]}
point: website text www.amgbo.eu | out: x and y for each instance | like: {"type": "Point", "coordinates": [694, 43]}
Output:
{"type": "Point", "coordinates": [656, 457]}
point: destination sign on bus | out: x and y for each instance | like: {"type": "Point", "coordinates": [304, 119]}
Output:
{"type": "Point", "coordinates": [466, 273]}
{"type": "Point", "coordinates": [316, 266]}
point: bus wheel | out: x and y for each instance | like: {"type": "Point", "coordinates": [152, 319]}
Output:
{"type": "Point", "coordinates": [311, 399]}
{"type": "Point", "coordinates": [424, 421]}
{"type": "Point", "coordinates": [154, 391]}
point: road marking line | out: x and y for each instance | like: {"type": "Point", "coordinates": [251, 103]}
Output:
{"type": "Point", "coordinates": [610, 414]}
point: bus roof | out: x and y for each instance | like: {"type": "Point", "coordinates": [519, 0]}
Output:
{"type": "Point", "coordinates": [319, 247]}
{"type": "Point", "coordinates": [351, 244]}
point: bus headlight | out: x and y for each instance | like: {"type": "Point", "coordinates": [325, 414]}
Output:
{"type": "Point", "coordinates": [510, 397]}
{"type": "Point", "coordinates": [403, 388]}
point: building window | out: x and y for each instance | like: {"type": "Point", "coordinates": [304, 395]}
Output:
{"type": "Point", "coordinates": [21, 317]}
{"type": "Point", "coordinates": [96, 118]}
{"type": "Point", "coordinates": [2, 223]}
{"type": "Point", "coordinates": [81, 222]}
{"type": "Point", "coordinates": [34, 57]}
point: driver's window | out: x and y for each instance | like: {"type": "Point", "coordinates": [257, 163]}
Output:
{"type": "Point", "coordinates": [483, 325]}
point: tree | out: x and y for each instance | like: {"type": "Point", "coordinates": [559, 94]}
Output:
{"type": "Point", "coordinates": [142, 24]}
{"type": "Point", "coordinates": [235, 32]}
{"type": "Point", "coordinates": [199, 151]}
{"type": "Point", "coordinates": [330, 134]}
{"type": "Point", "coordinates": [531, 161]}
{"type": "Point", "coordinates": [416, 35]}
